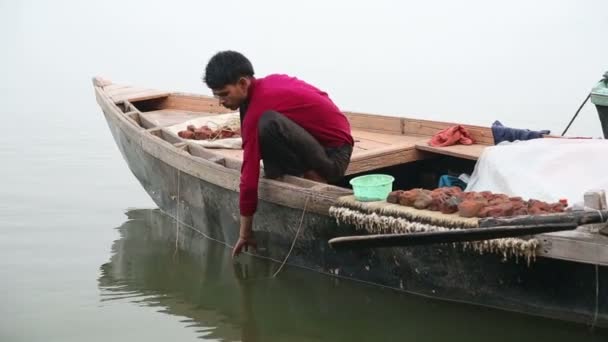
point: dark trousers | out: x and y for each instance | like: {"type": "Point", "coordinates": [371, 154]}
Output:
{"type": "Point", "coordinates": [288, 149]}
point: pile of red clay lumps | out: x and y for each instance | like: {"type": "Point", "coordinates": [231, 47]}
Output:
{"type": "Point", "coordinates": [449, 200]}
{"type": "Point", "coordinates": [206, 133]}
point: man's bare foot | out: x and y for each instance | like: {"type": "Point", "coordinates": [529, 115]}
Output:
{"type": "Point", "coordinates": [280, 178]}
{"type": "Point", "coordinates": [314, 176]}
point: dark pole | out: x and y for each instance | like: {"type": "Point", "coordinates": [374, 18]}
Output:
{"type": "Point", "coordinates": [575, 115]}
{"type": "Point", "coordinates": [450, 236]}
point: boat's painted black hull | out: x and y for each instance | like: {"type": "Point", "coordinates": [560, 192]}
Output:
{"type": "Point", "coordinates": [548, 287]}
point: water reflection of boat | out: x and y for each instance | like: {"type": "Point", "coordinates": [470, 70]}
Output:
{"type": "Point", "coordinates": [198, 187]}
{"type": "Point", "coordinates": [227, 301]}
{"type": "Point", "coordinates": [146, 269]}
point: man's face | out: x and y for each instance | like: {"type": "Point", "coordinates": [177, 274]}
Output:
{"type": "Point", "coordinates": [233, 95]}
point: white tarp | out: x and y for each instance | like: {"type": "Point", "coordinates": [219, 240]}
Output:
{"type": "Point", "coordinates": [545, 169]}
{"type": "Point", "coordinates": [231, 119]}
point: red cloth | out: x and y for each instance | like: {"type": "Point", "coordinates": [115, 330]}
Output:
{"type": "Point", "coordinates": [450, 136]}
{"type": "Point", "coordinates": [301, 102]}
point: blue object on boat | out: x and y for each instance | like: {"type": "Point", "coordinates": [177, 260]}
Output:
{"type": "Point", "coordinates": [502, 133]}
{"type": "Point", "coordinates": [447, 181]}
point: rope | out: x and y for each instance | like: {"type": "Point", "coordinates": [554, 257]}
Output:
{"type": "Point", "coordinates": [597, 296]}
{"type": "Point", "coordinates": [294, 239]}
{"type": "Point", "coordinates": [179, 222]}
{"type": "Point", "coordinates": [231, 125]}
{"type": "Point", "coordinates": [597, 283]}
{"type": "Point", "coordinates": [223, 242]}
{"type": "Point", "coordinates": [177, 216]}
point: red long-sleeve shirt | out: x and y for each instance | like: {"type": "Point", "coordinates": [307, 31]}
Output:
{"type": "Point", "coordinates": [301, 102]}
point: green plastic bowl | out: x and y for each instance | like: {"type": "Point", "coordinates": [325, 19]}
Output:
{"type": "Point", "coordinates": [374, 187]}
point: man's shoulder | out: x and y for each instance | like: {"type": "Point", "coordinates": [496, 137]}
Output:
{"type": "Point", "coordinates": [275, 76]}
{"type": "Point", "coordinates": [283, 84]}
{"type": "Point", "coordinates": [274, 80]}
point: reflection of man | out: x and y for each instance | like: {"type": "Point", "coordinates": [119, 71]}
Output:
{"type": "Point", "coordinates": [292, 126]}
{"type": "Point", "coordinates": [249, 329]}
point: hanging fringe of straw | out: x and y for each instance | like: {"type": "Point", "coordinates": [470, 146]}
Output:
{"type": "Point", "coordinates": [409, 213]}
{"type": "Point", "coordinates": [381, 224]}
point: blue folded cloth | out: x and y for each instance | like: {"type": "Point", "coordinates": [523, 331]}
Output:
{"type": "Point", "coordinates": [448, 181]}
{"type": "Point", "coordinates": [502, 133]}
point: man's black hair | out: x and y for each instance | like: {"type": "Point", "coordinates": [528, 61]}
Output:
{"type": "Point", "coordinates": [226, 67]}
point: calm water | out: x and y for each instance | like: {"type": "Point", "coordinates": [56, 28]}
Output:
{"type": "Point", "coordinates": [149, 290]}
{"type": "Point", "coordinates": [83, 254]}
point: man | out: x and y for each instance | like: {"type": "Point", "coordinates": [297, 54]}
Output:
{"type": "Point", "coordinates": [292, 126]}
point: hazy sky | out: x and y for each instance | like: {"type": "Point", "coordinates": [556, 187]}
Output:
{"type": "Point", "coordinates": [526, 63]}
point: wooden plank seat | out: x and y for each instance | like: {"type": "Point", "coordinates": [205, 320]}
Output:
{"type": "Point", "coordinates": [379, 141]}
{"type": "Point", "coordinates": [472, 152]}
{"type": "Point", "coordinates": [427, 128]}
{"type": "Point", "coordinates": [368, 156]}
{"type": "Point", "coordinates": [121, 93]}
{"type": "Point", "coordinates": [372, 150]}
{"type": "Point", "coordinates": [169, 117]}
{"type": "Point", "coordinates": [383, 151]}
{"type": "Point", "coordinates": [375, 150]}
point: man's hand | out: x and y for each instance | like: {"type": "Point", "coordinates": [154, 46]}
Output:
{"type": "Point", "coordinates": [246, 238]}
{"type": "Point", "coordinates": [242, 245]}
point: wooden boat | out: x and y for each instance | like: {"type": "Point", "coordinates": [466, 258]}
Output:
{"type": "Point", "coordinates": [198, 187]}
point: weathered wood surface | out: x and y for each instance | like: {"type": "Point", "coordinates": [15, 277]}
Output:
{"type": "Point", "coordinates": [135, 94]}
{"type": "Point", "coordinates": [579, 246]}
{"type": "Point", "coordinates": [389, 155]}
{"type": "Point", "coordinates": [139, 95]}
{"type": "Point", "coordinates": [371, 132]}
{"type": "Point", "coordinates": [374, 123]}
{"type": "Point", "coordinates": [121, 92]}
{"type": "Point", "coordinates": [195, 103]}
{"type": "Point", "coordinates": [384, 137]}
{"type": "Point", "coordinates": [362, 144]}
{"type": "Point", "coordinates": [368, 154]}
{"type": "Point", "coordinates": [169, 117]}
